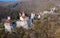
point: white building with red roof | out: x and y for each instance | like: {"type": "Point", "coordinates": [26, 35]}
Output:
{"type": "Point", "coordinates": [7, 24]}
{"type": "Point", "coordinates": [23, 21]}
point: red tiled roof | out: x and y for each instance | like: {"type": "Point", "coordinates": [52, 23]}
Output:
{"type": "Point", "coordinates": [24, 17]}
{"type": "Point", "coordinates": [8, 21]}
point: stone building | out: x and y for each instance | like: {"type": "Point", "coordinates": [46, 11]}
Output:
{"type": "Point", "coordinates": [22, 22]}
{"type": "Point", "coordinates": [7, 24]}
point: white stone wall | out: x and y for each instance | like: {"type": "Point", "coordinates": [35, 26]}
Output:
{"type": "Point", "coordinates": [22, 23]}
{"type": "Point", "coordinates": [8, 27]}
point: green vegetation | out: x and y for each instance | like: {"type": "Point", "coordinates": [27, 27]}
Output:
{"type": "Point", "coordinates": [40, 29]}
{"type": "Point", "coordinates": [46, 27]}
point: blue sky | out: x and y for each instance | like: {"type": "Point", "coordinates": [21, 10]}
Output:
{"type": "Point", "coordinates": [8, 0]}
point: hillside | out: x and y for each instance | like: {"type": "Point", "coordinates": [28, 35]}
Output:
{"type": "Point", "coordinates": [27, 6]}
{"type": "Point", "coordinates": [46, 27]}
